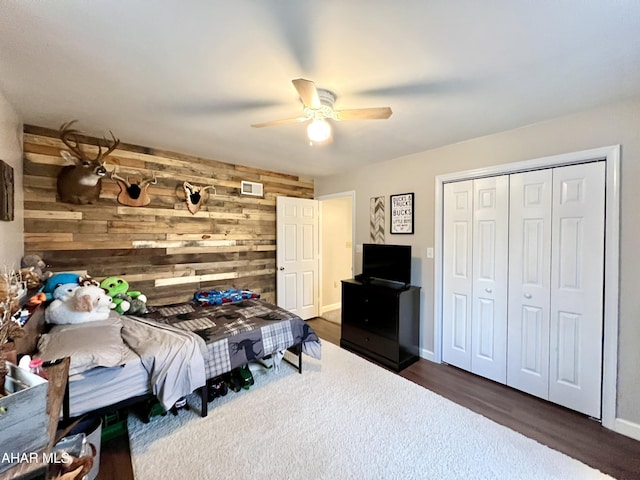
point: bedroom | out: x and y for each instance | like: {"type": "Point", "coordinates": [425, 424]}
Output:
{"type": "Point", "coordinates": [425, 137]}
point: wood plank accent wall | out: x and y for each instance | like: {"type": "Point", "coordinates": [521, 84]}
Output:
{"type": "Point", "coordinates": [161, 249]}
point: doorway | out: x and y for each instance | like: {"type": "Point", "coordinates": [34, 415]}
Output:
{"type": "Point", "coordinates": [336, 250]}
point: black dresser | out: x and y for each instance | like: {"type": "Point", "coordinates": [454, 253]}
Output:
{"type": "Point", "coordinates": [381, 322]}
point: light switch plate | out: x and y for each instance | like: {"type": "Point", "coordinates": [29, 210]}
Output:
{"type": "Point", "coordinates": [430, 252]}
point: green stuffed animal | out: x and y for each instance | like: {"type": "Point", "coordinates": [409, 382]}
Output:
{"type": "Point", "coordinates": [124, 301]}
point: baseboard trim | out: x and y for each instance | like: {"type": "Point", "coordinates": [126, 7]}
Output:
{"type": "Point", "coordinates": [328, 308]}
{"type": "Point", "coordinates": [427, 355]}
{"type": "Point", "coordinates": [627, 428]}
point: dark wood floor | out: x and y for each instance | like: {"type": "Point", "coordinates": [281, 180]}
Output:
{"type": "Point", "coordinates": [561, 429]}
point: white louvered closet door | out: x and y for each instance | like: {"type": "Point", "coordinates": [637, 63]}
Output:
{"type": "Point", "coordinates": [577, 284]}
{"type": "Point", "coordinates": [457, 273]}
{"type": "Point", "coordinates": [529, 282]}
{"type": "Point", "coordinates": [490, 256]}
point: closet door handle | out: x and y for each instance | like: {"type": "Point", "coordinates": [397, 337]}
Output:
{"type": "Point", "coordinates": [527, 295]}
{"type": "Point", "coordinates": [488, 290]}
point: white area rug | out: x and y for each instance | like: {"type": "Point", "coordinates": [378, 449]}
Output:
{"type": "Point", "coordinates": [343, 418]}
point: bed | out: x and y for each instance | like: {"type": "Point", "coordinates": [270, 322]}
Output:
{"type": "Point", "coordinates": [172, 351]}
{"type": "Point", "coordinates": [240, 332]}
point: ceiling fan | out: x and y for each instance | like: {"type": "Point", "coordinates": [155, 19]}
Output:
{"type": "Point", "coordinates": [318, 107]}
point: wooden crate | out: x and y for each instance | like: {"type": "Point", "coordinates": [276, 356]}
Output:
{"type": "Point", "coordinates": [24, 421]}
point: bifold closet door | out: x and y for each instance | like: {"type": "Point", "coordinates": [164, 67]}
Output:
{"type": "Point", "coordinates": [475, 250]}
{"type": "Point", "coordinates": [577, 284]}
{"type": "Point", "coordinates": [489, 286]}
{"type": "Point", "coordinates": [556, 282]}
{"type": "Point", "coordinates": [529, 282]}
{"type": "Point", "coordinates": [523, 273]}
{"type": "Point", "coordinates": [457, 273]}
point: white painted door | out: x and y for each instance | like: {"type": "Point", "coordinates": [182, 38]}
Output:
{"type": "Point", "coordinates": [297, 255]}
{"type": "Point", "coordinates": [489, 289]}
{"type": "Point", "coordinates": [577, 276]}
{"type": "Point", "coordinates": [457, 274]}
{"type": "Point", "coordinates": [529, 282]}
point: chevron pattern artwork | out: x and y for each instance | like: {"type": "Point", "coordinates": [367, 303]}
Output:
{"type": "Point", "coordinates": [376, 221]}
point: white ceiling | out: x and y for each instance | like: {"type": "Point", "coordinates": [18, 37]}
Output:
{"type": "Point", "coordinates": [191, 76]}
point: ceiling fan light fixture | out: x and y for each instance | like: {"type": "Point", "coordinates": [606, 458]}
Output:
{"type": "Point", "coordinates": [319, 130]}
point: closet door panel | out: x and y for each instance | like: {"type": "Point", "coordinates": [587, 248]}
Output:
{"type": "Point", "coordinates": [577, 275]}
{"type": "Point", "coordinates": [529, 282]}
{"type": "Point", "coordinates": [490, 255]}
{"type": "Point", "coordinates": [457, 270]}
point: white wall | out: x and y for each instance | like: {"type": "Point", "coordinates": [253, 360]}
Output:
{"type": "Point", "coordinates": [337, 234]}
{"type": "Point", "coordinates": [613, 124]}
{"type": "Point", "coordinates": [12, 233]}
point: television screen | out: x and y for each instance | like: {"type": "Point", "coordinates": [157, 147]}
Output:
{"type": "Point", "coordinates": [386, 262]}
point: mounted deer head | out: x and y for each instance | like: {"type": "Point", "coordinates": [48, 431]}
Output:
{"type": "Point", "coordinates": [82, 182]}
{"type": "Point", "coordinates": [195, 196]}
{"type": "Point", "coordinates": [134, 194]}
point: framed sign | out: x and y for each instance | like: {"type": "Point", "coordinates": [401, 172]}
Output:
{"type": "Point", "coordinates": [402, 213]}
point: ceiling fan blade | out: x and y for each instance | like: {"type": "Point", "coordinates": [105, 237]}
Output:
{"type": "Point", "coordinates": [279, 122]}
{"type": "Point", "coordinates": [363, 113]}
{"type": "Point", "coordinates": [308, 92]}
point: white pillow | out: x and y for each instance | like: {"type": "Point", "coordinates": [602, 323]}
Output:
{"type": "Point", "coordinates": [93, 344]}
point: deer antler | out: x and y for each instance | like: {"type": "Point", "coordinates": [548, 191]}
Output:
{"type": "Point", "coordinates": [115, 176]}
{"type": "Point", "coordinates": [111, 146]}
{"type": "Point", "coordinates": [68, 134]}
{"type": "Point", "coordinates": [147, 181]}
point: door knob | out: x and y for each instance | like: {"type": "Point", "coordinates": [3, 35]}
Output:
{"type": "Point", "coordinates": [281, 268]}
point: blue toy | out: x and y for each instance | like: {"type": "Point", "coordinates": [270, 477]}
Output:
{"type": "Point", "coordinates": [56, 280]}
{"type": "Point", "coordinates": [219, 297]}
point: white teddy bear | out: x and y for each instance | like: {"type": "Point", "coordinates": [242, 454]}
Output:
{"type": "Point", "coordinates": [80, 305]}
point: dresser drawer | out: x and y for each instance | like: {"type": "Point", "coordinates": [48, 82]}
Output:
{"type": "Point", "coordinates": [370, 341]}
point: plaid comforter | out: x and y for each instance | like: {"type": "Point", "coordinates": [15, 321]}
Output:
{"type": "Point", "coordinates": [237, 333]}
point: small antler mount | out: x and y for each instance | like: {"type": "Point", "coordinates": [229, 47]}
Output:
{"type": "Point", "coordinates": [133, 193]}
{"type": "Point", "coordinates": [195, 195]}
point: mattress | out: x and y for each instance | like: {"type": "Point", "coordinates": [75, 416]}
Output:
{"type": "Point", "coordinates": [101, 386]}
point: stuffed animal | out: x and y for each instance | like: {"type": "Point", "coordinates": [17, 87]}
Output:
{"type": "Point", "coordinates": [45, 294]}
{"type": "Point", "coordinates": [90, 298]}
{"type": "Point", "coordinates": [84, 304]}
{"type": "Point", "coordinates": [36, 263]}
{"type": "Point", "coordinates": [124, 301]}
{"type": "Point", "coordinates": [30, 276]}
{"type": "Point", "coordinates": [65, 291]}
{"type": "Point", "coordinates": [86, 280]}
{"type": "Point", "coordinates": [56, 280]}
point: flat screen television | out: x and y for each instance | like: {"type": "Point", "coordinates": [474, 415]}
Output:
{"type": "Point", "coordinates": [386, 262]}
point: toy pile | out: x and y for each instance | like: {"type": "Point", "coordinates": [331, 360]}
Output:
{"type": "Point", "coordinates": [73, 298]}
{"type": "Point", "coordinates": [219, 297]}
